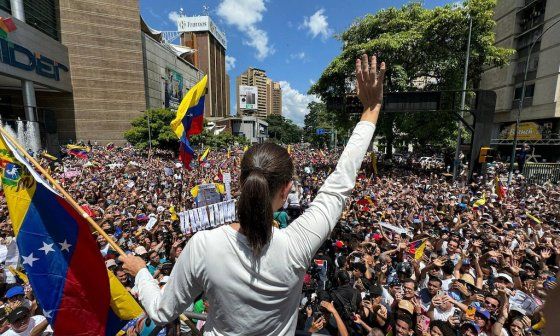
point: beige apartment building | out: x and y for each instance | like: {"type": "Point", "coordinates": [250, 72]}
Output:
{"type": "Point", "coordinates": [518, 24]}
{"type": "Point", "coordinates": [274, 97]}
{"type": "Point", "coordinates": [269, 99]}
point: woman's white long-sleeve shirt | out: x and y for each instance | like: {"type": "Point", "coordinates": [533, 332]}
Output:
{"type": "Point", "coordinates": [248, 295]}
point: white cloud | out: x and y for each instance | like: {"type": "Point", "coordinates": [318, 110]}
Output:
{"type": "Point", "coordinates": [300, 55]}
{"type": "Point", "coordinates": [317, 24]}
{"type": "Point", "coordinates": [173, 16]}
{"type": "Point", "coordinates": [230, 62]}
{"type": "Point", "coordinates": [245, 15]}
{"type": "Point", "coordinates": [294, 103]}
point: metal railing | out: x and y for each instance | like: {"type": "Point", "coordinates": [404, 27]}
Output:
{"type": "Point", "coordinates": [539, 173]}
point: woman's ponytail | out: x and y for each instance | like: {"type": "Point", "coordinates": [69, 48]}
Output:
{"type": "Point", "coordinates": [265, 169]}
{"type": "Point", "coordinates": [255, 211]}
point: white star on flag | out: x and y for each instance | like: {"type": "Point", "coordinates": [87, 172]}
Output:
{"type": "Point", "coordinates": [47, 313]}
{"type": "Point", "coordinates": [47, 248]}
{"type": "Point", "coordinates": [65, 246]}
{"type": "Point", "coordinates": [29, 260]}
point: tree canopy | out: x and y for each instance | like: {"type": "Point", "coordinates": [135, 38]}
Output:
{"type": "Point", "coordinates": [164, 138]}
{"type": "Point", "coordinates": [283, 130]}
{"type": "Point", "coordinates": [416, 43]}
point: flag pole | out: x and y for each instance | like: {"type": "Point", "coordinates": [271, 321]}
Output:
{"type": "Point", "coordinates": [69, 198]}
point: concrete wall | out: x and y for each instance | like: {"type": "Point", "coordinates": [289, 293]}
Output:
{"type": "Point", "coordinates": [105, 50]}
{"type": "Point", "coordinates": [158, 58]}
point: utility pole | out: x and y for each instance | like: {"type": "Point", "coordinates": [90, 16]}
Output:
{"type": "Point", "coordinates": [457, 162]}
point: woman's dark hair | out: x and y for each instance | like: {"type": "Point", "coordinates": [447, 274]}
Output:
{"type": "Point", "coordinates": [443, 326]}
{"type": "Point", "coordinates": [265, 169]}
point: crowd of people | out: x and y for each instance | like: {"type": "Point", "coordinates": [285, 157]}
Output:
{"type": "Point", "coordinates": [413, 254]}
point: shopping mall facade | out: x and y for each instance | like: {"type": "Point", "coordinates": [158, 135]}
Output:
{"type": "Point", "coordinates": [82, 70]}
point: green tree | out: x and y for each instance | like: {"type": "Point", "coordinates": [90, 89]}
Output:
{"type": "Point", "coordinates": [416, 42]}
{"type": "Point", "coordinates": [162, 136]}
{"type": "Point", "coordinates": [318, 117]}
{"type": "Point", "coordinates": [221, 140]}
{"type": "Point", "coordinates": [283, 130]}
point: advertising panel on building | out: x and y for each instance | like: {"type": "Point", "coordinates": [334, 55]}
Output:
{"type": "Point", "coordinates": [27, 54]}
{"type": "Point", "coordinates": [248, 97]}
{"type": "Point", "coordinates": [201, 23]}
{"type": "Point", "coordinates": [173, 88]}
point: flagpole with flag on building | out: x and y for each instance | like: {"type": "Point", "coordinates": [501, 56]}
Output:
{"type": "Point", "coordinates": [61, 259]}
{"type": "Point", "coordinates": [190, 120]}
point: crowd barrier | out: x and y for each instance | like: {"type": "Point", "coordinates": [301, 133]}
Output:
{"type": "Point", "coordinates": [540, 173]}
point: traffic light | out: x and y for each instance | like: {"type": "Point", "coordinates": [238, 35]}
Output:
{"type": "Point", "coordinates": [485, 155]}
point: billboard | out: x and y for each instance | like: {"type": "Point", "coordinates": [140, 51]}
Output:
{"type": "Point", "coordinates": [173, 88]}
{"type": "Point", "coordinates": [248, 97]}
{"type": "Point", "coordinates": [201, 23]}
{"type": "Point", "coordinates": [527, 131]}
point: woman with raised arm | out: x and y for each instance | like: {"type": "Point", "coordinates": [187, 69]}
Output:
{"type": "Point", "coordinates": [251, 272]}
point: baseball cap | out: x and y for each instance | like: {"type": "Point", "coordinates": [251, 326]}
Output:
{"type": "Point", "coordinates": [16, 290]}
{"type": "Point", "coordinates": [18, 313]}
{"type": "Point", "coordinates": [164, 280]}
{"type": "Point", "coordinates": [406, 305]}
{"type": "Point", "coordinates": [472, 325]}
{"type": "Point", "coordinates": [110, 263]}
{"type": "Point", "coordinates": [140, 250]}
{"type": "Point", "coordinates": [505, 276]}
{"type": "Point", "coordinates": [483, 312]}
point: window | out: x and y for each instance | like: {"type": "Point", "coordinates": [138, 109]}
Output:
{"type": "Point", "coordinates": [529, 91]}
{"type": "Point", "coordinates": [42, 14]}
{"type": "Point", "coordinates": [5, 5]}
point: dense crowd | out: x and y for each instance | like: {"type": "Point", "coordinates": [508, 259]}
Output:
{"type": "Point", "coordinates": [413, 254]}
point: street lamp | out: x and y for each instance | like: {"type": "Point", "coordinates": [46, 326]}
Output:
{"type": "Point", "coordinates": [520, 105]}
{"type": "Point", "coordinates": [457, 162]}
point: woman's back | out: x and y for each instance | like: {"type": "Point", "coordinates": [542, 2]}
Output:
{"type": "Point", "coordinates": [256, 295]}
{"type": "Point", "coordinates": [245, 294]}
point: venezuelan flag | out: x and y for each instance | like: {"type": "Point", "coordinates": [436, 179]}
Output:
{"type": "Point", "coordinates": [204, 155]}
{"type": "Point", "coordinates": [62, 260]}
{"type": "Point", "coordinates": [500, 189]}
{"type": "Point", "coordinates": [79, 153]}
{"type": "Point", "coordinates": [415, 245]}
{"type": "Point", "coordinates": [477, 204]}
{"type": "Point", "coordinates": [189, 120]}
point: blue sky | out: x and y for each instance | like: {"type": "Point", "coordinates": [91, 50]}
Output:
{"type": "Point", "coordinates": [292, 40]}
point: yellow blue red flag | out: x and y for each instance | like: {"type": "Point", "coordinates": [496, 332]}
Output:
{"type": "Point", "coordinates": [60, 256]}
{"type": "Point", "coordinates": [190, 120]}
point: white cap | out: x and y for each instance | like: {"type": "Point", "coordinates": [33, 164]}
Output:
{"type": "Point", "coordinates": [110, 263]}
{"type": "Point", "coordinates": [505, 276]}
{"type": "Point", "coordinates": [140, 250]}
{"type": "Point", "coordinates": [164, 280]}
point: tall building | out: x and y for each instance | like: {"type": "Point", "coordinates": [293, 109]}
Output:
{"type": "Point", "coordinates": [269, 99]}
{"type": "Point", "coordinates": [518, 25]}
{"type": "Point", "coordinates": [105, 49]}
{"type": "Point", "coordinates": [257, 78]}
{"type": "Point", "coordinates": [274, 97]}
{"type": "Point", "coordinates": [201, 34]}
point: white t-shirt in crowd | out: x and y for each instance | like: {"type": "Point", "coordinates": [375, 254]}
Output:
{"type": "Point", "coordinates": [443, 315]}
{"type": "Point", "coordinates": [33, 322]}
